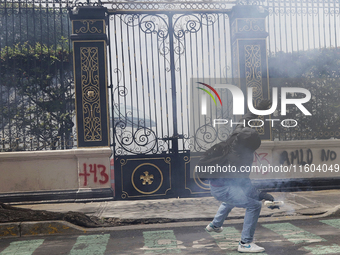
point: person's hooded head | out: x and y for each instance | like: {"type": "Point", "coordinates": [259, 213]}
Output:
{"type": "Point", "coordinates": [248, 139]}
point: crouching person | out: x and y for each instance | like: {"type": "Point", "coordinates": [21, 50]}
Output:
{"type": "Point", "coordinates": [234, 189]}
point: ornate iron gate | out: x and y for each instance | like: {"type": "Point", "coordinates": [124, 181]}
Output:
{"type": "Point", "coordinates": [155, 48]}
{"type": "Point", "coordinates": [153, 56]}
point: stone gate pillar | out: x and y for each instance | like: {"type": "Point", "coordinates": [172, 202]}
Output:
{"type": "Point", "coordinates": [249, 55]}
{"type": "Point", "coordinates": [90, 75]}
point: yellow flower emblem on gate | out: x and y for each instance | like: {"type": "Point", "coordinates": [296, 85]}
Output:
{"type": "Point", "coordinates": [146, 178]}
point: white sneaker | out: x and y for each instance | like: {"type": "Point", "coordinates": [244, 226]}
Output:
{"type": "Point", "coordinates": [249, 247]}
{"type": "Point", "coordinates": [211, 228]}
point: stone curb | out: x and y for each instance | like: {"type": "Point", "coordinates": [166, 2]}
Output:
{"type": "Point", "coordinates": [9, 230]}
{"type": "Point", "coordinates": [333, 212]}
{"type": "Point", "coordinates": [37, 228]}
{"type": "Point", "coordinates": [49, 228]}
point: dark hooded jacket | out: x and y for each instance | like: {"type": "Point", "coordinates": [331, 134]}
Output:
{"type": "Point", "coordinates": [238, 150]}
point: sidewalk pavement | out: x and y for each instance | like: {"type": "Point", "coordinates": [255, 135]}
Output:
{"type": "Point", "coordinates": [296, 204]}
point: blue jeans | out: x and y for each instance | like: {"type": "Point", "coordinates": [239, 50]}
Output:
{"type": "Point", "coordinates": [238, 196]}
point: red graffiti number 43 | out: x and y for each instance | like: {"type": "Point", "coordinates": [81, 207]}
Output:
{"type": "Point", "coordinates": [104, 177]}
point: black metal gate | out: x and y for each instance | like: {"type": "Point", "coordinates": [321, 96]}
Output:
{"type": "Point", "coordinates": [152, 57]}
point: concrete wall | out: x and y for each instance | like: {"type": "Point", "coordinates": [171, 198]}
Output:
{"type": "Point", "coordinates": [78, 169]}
{"type": "Point", "coordinates": [298, 159]}
{"type": "Point", "coordinates": [83, 170]}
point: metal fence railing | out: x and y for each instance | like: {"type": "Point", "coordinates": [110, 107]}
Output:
{"type": "Point", "coordinates": [36, 83]}
{"type": "Point", "coordinates": [303, 51]}
{"type": "Point", "coordinates": [318, 72]}
{"type": "Point", "coordinates": [296, 25]}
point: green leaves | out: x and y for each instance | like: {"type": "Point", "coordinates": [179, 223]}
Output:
{"type": "Point", "coordinates": [23, 56]}
{"type": "Point", "coordinates": [318, 63]}
{"type": "Point", "coordinates": [319, 72]}
{"type": "Point", "coordinates": [38, 94]}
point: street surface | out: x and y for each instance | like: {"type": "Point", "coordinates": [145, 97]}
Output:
{"type": "Point", "coordinates": [295, 237]}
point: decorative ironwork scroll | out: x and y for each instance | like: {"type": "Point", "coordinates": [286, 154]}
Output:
{"type": "Point", "coordinates": [250, 2]}
{"type": "Point", "coordinates": [88, 26]}
{"type": "Point", "coordinates": [253, 71]}
{"type": "Point", "coordinates": [90, 76]}
{"type": "Point", "coordinates": [135, 129]}
{"type": "Point", "coordinates": [167, 5]}
{"type": "Point", "coordinates": [144, 45]}
{"type": "Point", "coordinates": [90, 93]}
{"type": "Point", "coordinates": [249, 57]}
{"type": "Point", "coordinates": [253, 68]}
{"type": "Point", "coordinates": [247, 25]}
{"type": "Point", "coordinates": [189, 24]}
{"type": "Point", "coordinates": [207, 135]}
{"type": "Point", "coordinates": [144, 176]}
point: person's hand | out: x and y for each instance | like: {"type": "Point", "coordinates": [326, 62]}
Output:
{"type": "Point", "coordinates": [265, 196]}
{"type": "Point", "coordinates": [264, 105]}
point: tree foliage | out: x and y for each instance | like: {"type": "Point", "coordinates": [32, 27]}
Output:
{"type": "Point", "coordinates": [319, 72]}
{"type": "Point", "coordinates": [37, 93]}
{"type": "Point", "coordinates": [36, 85]}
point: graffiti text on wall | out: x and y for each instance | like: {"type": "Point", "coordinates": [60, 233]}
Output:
{"type": "Point", "coordinates": [303, 157]}
{"type": "Point", "coordinates": [94, 170]}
